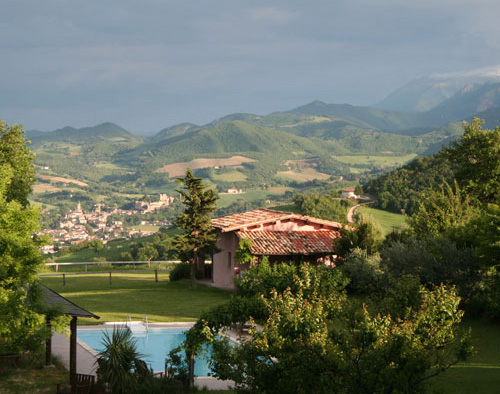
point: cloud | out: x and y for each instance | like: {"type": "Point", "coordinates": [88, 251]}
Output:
{"type": "Point", "coordinates": [157, 62]}
{"type": "Point", "coordinates": [271, 14]}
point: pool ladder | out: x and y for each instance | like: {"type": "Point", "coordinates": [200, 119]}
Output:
{"type": "Point", "coordinates": [137, 326]}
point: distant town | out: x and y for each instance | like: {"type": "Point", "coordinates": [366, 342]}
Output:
{"type": "Point", "coordinates": [78, 226]}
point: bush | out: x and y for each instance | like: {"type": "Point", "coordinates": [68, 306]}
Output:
{"type": "Point", "coordinates": [264, 277]}
{"type": "Point", "coordinates": [363, 271]}
{"type": "Point", "coordinates": [180, 271]}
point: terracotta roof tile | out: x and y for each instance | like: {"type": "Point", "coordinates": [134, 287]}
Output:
{"type": "Point", "coordinates": [259, 216]}
{"type": "Point", "coordinates": [290, 242]}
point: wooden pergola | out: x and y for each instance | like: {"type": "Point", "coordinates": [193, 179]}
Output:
{"type": "Point", "coordinates": [68, 308]}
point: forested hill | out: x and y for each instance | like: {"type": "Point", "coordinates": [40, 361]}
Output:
{"type": "Point", "coordinates": [473, 162]}
{"type": "Point", "coordinates": [226, 137]}
{"type": "Point", "coordinates": [400, 190]}
{"type": "Point", "coordinates": [105, 132]}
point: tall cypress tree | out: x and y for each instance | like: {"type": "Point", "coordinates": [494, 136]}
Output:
{"type": "Point", "coordinates": [199, 237]}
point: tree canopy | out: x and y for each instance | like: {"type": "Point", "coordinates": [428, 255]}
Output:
{"type": "Point", "coordinates": [476, 158]}
{"type": "Point", "coordinates": [14, 154]}
{"type": "Point", "coordinates": [21, 327]}
{"type": "Point", "coordinates": [309, 338]}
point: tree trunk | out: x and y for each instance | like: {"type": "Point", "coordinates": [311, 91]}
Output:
{"type": "Point", "coordinates": [192, 271]}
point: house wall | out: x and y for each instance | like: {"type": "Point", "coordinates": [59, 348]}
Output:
{"type": "Point", "coordinates": [223, 262]}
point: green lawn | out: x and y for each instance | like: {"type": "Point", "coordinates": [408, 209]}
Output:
{"type": "Point", "coordinates": [480, 375]}
{"type": "Point", "coordinates": [387, 220]}
{"type": "Point", "coordinates": [136, 294]}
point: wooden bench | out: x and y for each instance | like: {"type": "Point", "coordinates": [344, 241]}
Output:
{"type": "Point", "coordinates": [84, 383]}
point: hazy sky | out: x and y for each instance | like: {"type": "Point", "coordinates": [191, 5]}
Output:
{"type": "Point", "coordinates": [149, 64]}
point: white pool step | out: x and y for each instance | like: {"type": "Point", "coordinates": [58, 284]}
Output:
{"type": "Point", "coordinates": [137, 326]}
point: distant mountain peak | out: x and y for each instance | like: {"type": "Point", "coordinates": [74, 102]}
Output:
{"type": "Point", "coordinates": [426, 93]}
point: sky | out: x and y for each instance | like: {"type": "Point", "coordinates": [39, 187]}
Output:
{"type": "Point", "coordinates": [146, 65]}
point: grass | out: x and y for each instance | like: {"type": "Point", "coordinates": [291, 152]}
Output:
{"type": "Point", "coordinates": [481, 374]}
{"type": "Point", "coordinates": [31, 378]}
{"type": "Point", "coordinates": [136, 294]}
{"type": "Point", "coordinates": [306, 174]}
{"type": "Point", "coordinates": [376, 160]}
{"type": "Point", "coordinates": [387, 220]}
{"type": "Point", "coordinates": [231, 176]}
{"type": "Point", "coordinates": [147, 227]}
{"type": "Point", "coordinates": [250, 195]}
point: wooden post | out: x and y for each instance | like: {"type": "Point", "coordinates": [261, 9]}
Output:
{"type": "Point", "coordinates": [110, 277]}
{"type": "Point", "coordinates": [48, 345]}
{"type": "Point", "coordinates": [156, 275]}
{"type": "Point", "coordinates": [86, 267]}
{"type": "Point", "coordinates": [57, 267]}
{"type": "Point", "coordinates": [72, 354]}
{"type": "Point", "coordinates": [191, 371]}
{"type": "Point", "coordinates": [64, 279]}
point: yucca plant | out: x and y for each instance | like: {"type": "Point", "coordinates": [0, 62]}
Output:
{"type": "Point", "coordinates": [119, 364]}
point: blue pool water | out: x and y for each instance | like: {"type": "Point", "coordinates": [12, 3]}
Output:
{"type": "Point", "coordinates": [154, 346]}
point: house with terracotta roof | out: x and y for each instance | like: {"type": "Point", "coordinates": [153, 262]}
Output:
{"type": "Point", "coordinates": [282, 236]}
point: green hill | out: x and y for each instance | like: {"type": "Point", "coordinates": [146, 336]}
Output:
{"type": "Point", "coordinates": [233, 137]}
{"type": "Point", "coordinates": [104, 133]}
{"type": "Point", "coordinates": [172, 131]}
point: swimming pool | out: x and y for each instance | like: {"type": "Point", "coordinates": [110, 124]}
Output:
{"type": "Point", "coordinates": [154, 345]}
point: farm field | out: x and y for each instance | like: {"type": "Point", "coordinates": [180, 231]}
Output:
{"type": "Point", "coordinates": [387, 220]}
{"type": "Point", "coordinates": [306, 174]}
{"type": "Point", "coordinates": [376, 160]}
{"type": "Point", "coordinates": [136, 294]}
{"type": "Point", "coordinates": [40, 187]}
{"type": "Point", "coordinates": [55, 179]}
{"type": "Point", "coordinates": [179, 169]}
{"type": "Point", "coordinates": [232, 176]}
{"type": "Point", "coordinates": [250, 195]}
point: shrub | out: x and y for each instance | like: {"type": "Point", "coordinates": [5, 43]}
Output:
{"type": "Point", "coordinates": [180, 271]}
{"type": "Point", "coordinates": [363, 271]}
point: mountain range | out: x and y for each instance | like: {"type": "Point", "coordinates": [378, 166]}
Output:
{"type": "Point", "coordinates": [314, 140]}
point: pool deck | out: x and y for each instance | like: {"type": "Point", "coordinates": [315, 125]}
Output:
{"type": "Point", "coordinates": [86, 357]}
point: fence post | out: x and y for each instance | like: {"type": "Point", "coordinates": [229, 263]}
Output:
{"type": "Point", "coordinates": [156, 275]}
{"type": "Point", "coordinates": [86, 267]}
{"type": "Point", "coordinates": [110, 277]}
{"type": "Point", "coordinates": [57, 267]}
{"type": "Point", "coordinates": [64, 279]}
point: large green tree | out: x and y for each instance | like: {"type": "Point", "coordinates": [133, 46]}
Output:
{"type": "Point", "coordinates": [476, 158]}
{"type": "Point", "coordinates": [324, 206]}
{"type": "Point", "coordinates": [21, 327]}
{"type": "Point", "coordinates": [199, 237]}
{"type": "Point", "coordinates": [15, 155]}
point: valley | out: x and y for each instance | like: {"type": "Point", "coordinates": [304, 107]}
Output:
{"type": "Point", "coordinates": [251, 160]}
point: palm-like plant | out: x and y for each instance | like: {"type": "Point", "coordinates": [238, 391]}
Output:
{"type": "Point", "coordinates": [120, 364]}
